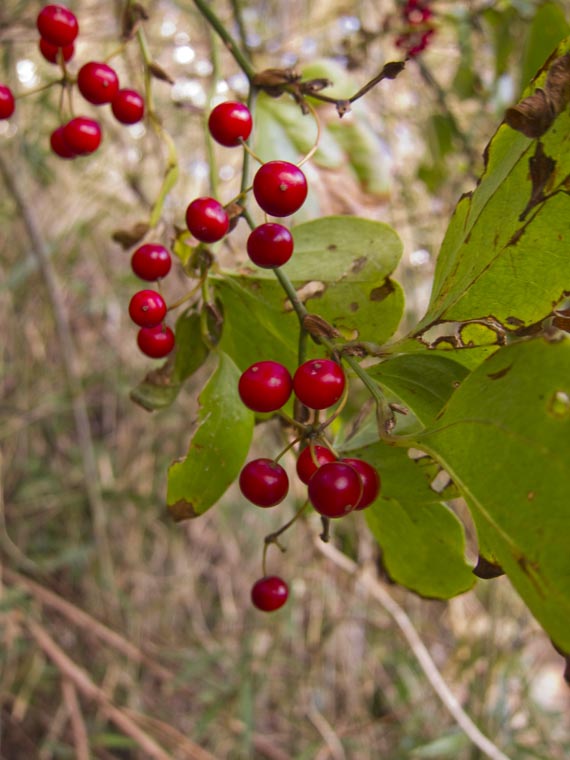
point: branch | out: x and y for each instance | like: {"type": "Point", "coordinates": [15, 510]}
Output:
{"type": "Point", "coordinates": [419, 650]}
{"type": "Point", "coordinates": [80, 737]}
{"type": "Point", "coordinates": [205, 8]}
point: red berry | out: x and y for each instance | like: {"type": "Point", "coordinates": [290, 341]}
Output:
{"type": "Point", "coordinates": [59, 145]}
{"type": "Point", "coordinates": [151, 261]}
{"type": "Point", "coordinates": [82, 135]}
{"type": "Point", "coordinates": [265, 386]}
{"type": "Point", "coordinates": [51, 52]}
{"type": "Point", "coordinates": [147, 308]}
{"type": "Point", "coordinates": [335, 489]}
{"type": "Point", "coordinates": [97, 82]}
{"type": "Point", "coordinates": [270, 245]}
{"type": "Point", "coordinates": [128, 106]}
{"type": "Point", "coordinates": [370, 481]}
{"type": "Point", "coordinates": [280, 188]}
{"type": "Point", "coordinates": [229, 123]}
{"type": "Point", "coordinates": [264, 482]}
{"type": "Point", "coordinates": [207, 220]}
{"type": "Point", "coordinates": [57, 25]}
{"type": "Point", "coordinates": [7, 102]}
{"type": "Point", "coordinates": [156, 342]}
{"type": "Point", "coordinates": [319, 383]}
{"type": "Point", "coordinates": [269, 593]}
{"type": "Point", "coordinates": [310, 459]}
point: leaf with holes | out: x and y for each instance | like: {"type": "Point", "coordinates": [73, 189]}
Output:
{"type": "Point", "coordinates": [504, 438]}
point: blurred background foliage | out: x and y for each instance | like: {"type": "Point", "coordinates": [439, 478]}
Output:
{"type": "Point", "coordinates": [185, 659]}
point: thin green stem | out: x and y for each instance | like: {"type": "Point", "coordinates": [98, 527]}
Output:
{"type": "Point", "coordinates": [205, 8]}
{"type": "Point", "coordinates": [288, 287]}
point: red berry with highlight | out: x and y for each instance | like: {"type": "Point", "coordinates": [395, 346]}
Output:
{"type": "Point", "coordinates": [97, 82]}
{"type": "Point", "coordinates": [319, 383]}
{"type": "Point", "coordinates": [265, 386]}
{"type": "Point", "coordinates": [147, 308]}
{"type": "Point", "coordinates": [52, 52]}
{"type": "Point", "coordinates": [59, 145]}
{"type": "Point", "coordinates": [264, 482]}
{"type": "Point", "coordinates": [7, 102]}
{"type": "Point", "coordinates": [156, 342]}
{"type": "Point", "coordinates": [269, 593]}
{"type": "Point", "coordinates": [310, 459]}
{"type": "Point", "coordinates": [370, 481]}
{"type": "Point", "coordinates": [230, 123]}
{"type": "Point", "coordinates": [82, 135]}
{"type": "Point", "coordinates": [270, 245]}
{"type": "Point", "coordinates": [207, 220]}
{"type": "Point", "coordinates": [57, 25]}
{"type": "Point", "coordinates": [151, 261]}
{"type": "Point", "coordinates": [280, 188]}
{"type": "Point", "coordinates": [335, 489]}
{"type": "Point", "coordinates": [128, 106]}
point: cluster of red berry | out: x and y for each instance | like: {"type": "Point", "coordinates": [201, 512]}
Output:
{"type": "Point", "coordinates": [336, 486]}
{"type": "Point", "coordinates": [147, 308]}
{"type": "Point", "coordinates": [417, 17]}
{"type": "Point", "coordinates": [97, 82]}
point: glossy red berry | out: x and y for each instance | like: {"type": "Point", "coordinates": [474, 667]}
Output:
{"type": "Point", "coordinates": [269, 593]}
{"type": "Point", "coordinates": [265, 386]}
{"type": "Point", "coordinates": [310, 459]}
{"type": "Point", "coordinates": [151, 261]}
{"type": "Point", "coordinates": [59, 145]}
{"type": "Point", "coordinates": [264, 482]}
{"type": "Point", "coordinates": [52, 52]}
{"type": "Point", "coordinates": [229, 123]}
{"type": "Point", "coordinates": [97, 82]}
{"type": "Point", "coordinates": [57, 25]}
{"type": "Point", "coordinates": [335, 489]}
{"type": "Point", "coordinates": [156, 342]}
{"type": "Point", "coordinates": [7, 102]}
{"type": "Point", "coordinates": [82, 135]}
{"type": "Point", "coordinates": [128, 106]}
{"type": "Point", "coordinates": [370, 481]}
{"type": "Point", "coordinates": [147, 308]}
{"type": "Point", "coordinates": [319, 383]}
{"type": "Point", "coordinates": [207, 220]}
{"type": "Point", "coordinates": [270, 245]}
{"type": "Point", "coordinates": [280, 188]}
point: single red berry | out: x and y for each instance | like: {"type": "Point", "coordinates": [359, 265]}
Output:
{"type": "Point", "coordinates": [7, 102]}
{"type": "Point", "coordinates": [265, 386]}
{"type": "Point", "coordinates": [270, 245]}
{"type": "Point", "coordinates": [97, 82]}
{"type": "Point", "coordinates": [52, 52]}
{"type": "Point", "coordinates": [264, 482]}
{"type": "Point", "coordinates": [269, 593]}
{"type": "Point", "coordinates": [57, 25]}
{"type": "Point", "coordinates": [59, 145]}
{"type": "Point", "coordinates": [147, 308]}
{"type": "Point", "coordinates": [156, 342]}
{"type": "Point", "coordinates": [151, 261]}
{"type": "Point", "coordinates": [310, 459]}
{"type": "Point", "coordinates": [335, 489]}
{"type": "Point", "coordinates": [82, 135]}
{"type": "Point", "coordinates": [229, 123]}
{"type": "Point", "coordinates": [370, 481]}
{"type": "Point", "coordinates": [207, 220]}
{"type": "Point", "coordinates": [319, 383]}
{"type": "Point", "coordinates": [128, 106]}
{"type": "Point", "coordinates": [280, 188]}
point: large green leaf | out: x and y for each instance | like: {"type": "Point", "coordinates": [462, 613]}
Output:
{"type": "Point", "coordinates": [422, 541]}
{"type": "Point", "coordinates": [218, 447]}
{"type": "Point", "coordinates": [504, 438]}
{"type": "Point", "coordinates": [505, 253]}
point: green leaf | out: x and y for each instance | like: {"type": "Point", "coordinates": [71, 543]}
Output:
{"type": "Point", "coordinates": [422, 541]}
{"type": "Point", "coordinates": [218, 447]}
{"type": "Point", "coordinates": [504, 256]}
{"type": "Point", "coordinates": [504, 437]}
{"type": "Point", "coordinates": [549, 26]}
